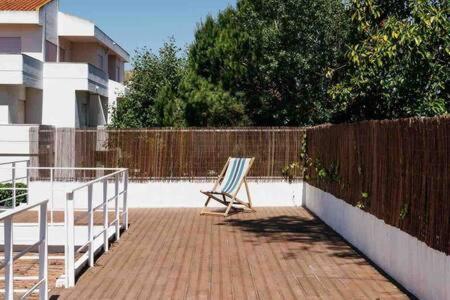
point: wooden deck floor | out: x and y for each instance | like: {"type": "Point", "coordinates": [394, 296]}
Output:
{"type": "Point", "coordinates": [276, 253]}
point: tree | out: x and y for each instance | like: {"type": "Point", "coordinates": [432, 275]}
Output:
{"type": "Point", "coordinates": [295, 63]}
{"type": "Point", "coordinates": [272, 56]}
{"type": "Point", "coordinates": [216, 58]}
{"type": "Point", "coordinates": [152, 95]}
{"type": "Point", "coordinates": [400, 65]}
{"type": "Point", "coordinates": [209, 104]}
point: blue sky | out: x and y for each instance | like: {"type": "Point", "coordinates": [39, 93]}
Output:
{"type": "Point", "coordinates": [137, 23]}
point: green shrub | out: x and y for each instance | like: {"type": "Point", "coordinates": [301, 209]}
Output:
{"type": "Point", "coordinates": [21, 196]}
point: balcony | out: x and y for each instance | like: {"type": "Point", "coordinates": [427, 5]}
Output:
{"type": "Point", "coordinates": [20, 69]}
{"type": "Point", "coordinates": [81, 76]}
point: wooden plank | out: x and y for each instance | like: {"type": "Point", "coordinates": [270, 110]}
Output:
{"type": "Point", "coordinates": [275, 253]}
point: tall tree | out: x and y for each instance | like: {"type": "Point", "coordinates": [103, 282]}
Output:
{"type": "Point", "coordinates": [152, 95]}
{"type": "Point", "coordinates": [272, 56]}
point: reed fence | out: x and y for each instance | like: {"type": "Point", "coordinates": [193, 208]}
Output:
{"type": "Point", "coordinates": [398, 171]}
{"type": "Point", "coordinates": [167, 154]}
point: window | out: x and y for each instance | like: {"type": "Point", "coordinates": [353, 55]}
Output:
{"type": "Point", "coordinates": [118, 75]}
{"type": "Point", "coordinates": [100, 61]}
{"type": "Point", "coordinates": [62, 55]}
{"type": "Point", "coordinates": [82, 100]}
{"type": "Point", "coordinates": [50, 51]}
{"type": "Point", "coordinates": [10, 45]}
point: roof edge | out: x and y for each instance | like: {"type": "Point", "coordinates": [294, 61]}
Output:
{"type": "Point", "coordinates": [43, 4]}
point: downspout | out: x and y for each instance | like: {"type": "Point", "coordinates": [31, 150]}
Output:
{"type": "Point", "coordinates": [57, 32]}
{"type": "Point", "coordinates": [44, 35]}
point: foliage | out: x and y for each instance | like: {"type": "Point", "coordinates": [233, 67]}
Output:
{"type": "Point", "coordinates": [272, 57]}
{"type": "Point", "coordinates": [400, 65]}
{"type": "Point", "coordinates": [289, 171]}
{"type": "Point", "coordinates": [152, 96]}
{"type": "Point", "coordinates": [295, 63]}
{"type": "Point", "coordinates": [326, 174]}
{"type": "Point", "coordinates": [6, 194]}
{"type": "Point", "coordinates": [364, 202]}
{"type": "Point", "coordinates": [360, 205]}
{"type": "Point", "coordinates": [404, 211]}
{"type": "Point", "coordinates": [207, 104]}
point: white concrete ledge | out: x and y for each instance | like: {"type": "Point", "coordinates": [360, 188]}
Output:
{"type": "Point", "coordinates": [171, 194]}
{"type": "Point", "coordinates": [423, 271]}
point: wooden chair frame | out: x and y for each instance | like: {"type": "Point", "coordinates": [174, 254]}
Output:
{"type": "Point", "coordinates": [228, 199]}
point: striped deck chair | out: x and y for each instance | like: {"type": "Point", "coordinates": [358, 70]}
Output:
{"type": "Point", "coordinates": [228, 184]}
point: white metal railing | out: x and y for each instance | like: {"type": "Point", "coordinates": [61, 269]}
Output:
{"type": "Point", "coordinates": [10, 257]}
{"type": "Point", "coordinates": [14, 180]}
{"type": "Point", "coordinates": [90, 247]}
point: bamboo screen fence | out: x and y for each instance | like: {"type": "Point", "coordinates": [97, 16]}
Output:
{"type": "Point", "coordinates": [168, 154]}
{"type": "Point", "coordinates": [398, 171]}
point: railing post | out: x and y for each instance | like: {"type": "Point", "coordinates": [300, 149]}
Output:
{"type": "Point", "coordinates": [125, 199]}
{"type": "Point", "coordinates": [116, 206]}
{"type": "Point", "coordinates": [105, 215]}
{"type": "Point", "coordinates": [28, 182]}
{"type": "Point", "coordinates": [14, 184]}
{"type": "Point", "coordinates": [9, 263]}
{"type": "Point", "coordinates": [90, 227]}
{"type": "Point", "coordinates": [70, 242]}
{"type": "Point", "coordinates": [51, 195]}
{"type": "Point", "coordinates": [43, 252]}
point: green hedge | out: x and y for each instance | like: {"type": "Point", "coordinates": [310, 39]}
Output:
{"type": "Point", "coordinates": [5, 194]}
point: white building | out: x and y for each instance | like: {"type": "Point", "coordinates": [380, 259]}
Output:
{"type": "Point", "coordinates": [56, 69]}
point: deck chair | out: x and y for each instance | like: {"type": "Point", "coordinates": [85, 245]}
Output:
{"type": "Point", "coordinates": [228, 184]}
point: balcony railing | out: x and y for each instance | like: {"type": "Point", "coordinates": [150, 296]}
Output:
{"type": "Point", "coordinates": [87, 76]}
{"type": "Point", "coordinates": [97, 72]}
{"type": "Point", "coordinates": [20, 69]}
{"type": "Point", "coordinates": [76, 241]}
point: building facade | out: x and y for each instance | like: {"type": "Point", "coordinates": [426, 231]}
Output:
{"type": "Point", "coordinates": [55, 68]}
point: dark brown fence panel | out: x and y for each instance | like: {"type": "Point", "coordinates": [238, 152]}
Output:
{"type": "Point", "coordinates": [41, 149]}
{"type": "Point", "coordinates": [396, 170]}
{"type": "Point", "coordinates": [173, 154]}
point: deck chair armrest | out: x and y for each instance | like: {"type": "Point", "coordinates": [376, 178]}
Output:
{"type": "Point", "coordinates": [213, 193]}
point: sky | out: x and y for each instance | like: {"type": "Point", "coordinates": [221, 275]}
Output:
{"type": "Point", "coordinates": [138, 23]}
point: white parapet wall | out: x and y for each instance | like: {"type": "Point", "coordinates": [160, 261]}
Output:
{"type": "Point", "coordinates": [423, 271]}
{"type": "Point", "coordinates": [153, 194]}
{"type": "Point", "coordinates": [187, 194]}
{"type": "Point", "coordinates": [15, 139]}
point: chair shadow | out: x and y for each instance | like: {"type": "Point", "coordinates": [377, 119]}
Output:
{"type": "Point", "coordinates": [302, 234]}
{"type": "Point", "coordinates": [299, 234]}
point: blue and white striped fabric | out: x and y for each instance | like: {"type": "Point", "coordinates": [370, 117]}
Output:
{"type": "Point", "coordinates": [235, 173]}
